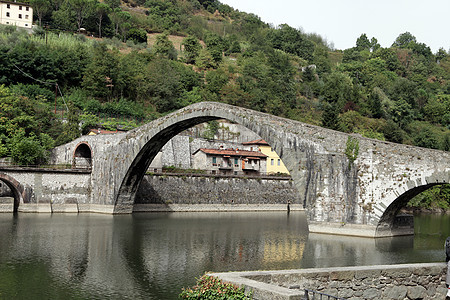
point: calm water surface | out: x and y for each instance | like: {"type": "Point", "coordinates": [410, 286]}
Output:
{"type": "Point", "coordinates": [152, 256]}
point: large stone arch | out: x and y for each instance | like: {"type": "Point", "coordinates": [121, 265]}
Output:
{"type": "Point", "coordinates": [386, 225]}
{"type": "Point", "coordinates": [18, 190]}
{"type": "Point", "coordinates": [153, 140]}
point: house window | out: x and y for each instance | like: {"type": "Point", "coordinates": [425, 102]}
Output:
{"type": "Point", "coordinates": [27, 9]}
{"type": "Point", "coordinates": [20, 16]}
{"type": "Point", "coordinates": [236, 161]}
{"type": "Point", "coordinates": [279, 161]}
{"type": "Point", "coordinates": [214, 160]}
{"type": "Point", "coordinates": [7, 14]}
{"type": "Point", "coordinates": [26, 16]}
{"type": "Point", "coordinates": [20, 7]}
{"type": "Point", "coordinates": [271, 149]}
{"type": "Point", "coordinates": [271, 162]}
{"type": "Point", "coordinates": [8, 6]}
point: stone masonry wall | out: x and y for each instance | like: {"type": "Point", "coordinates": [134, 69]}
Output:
{"type": "Point", "coordinates": [163, 189]}
{"type": "Point", "coordinates": [408, 281]}
{"type": "Point", "coordinates": [400, 282]}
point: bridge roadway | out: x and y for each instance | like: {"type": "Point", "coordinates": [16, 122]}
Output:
{"type": "Point", "coordinates": [341, 196]}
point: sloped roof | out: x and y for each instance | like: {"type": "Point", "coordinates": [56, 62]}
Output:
{"type": "Point", "coordinates": [257, 142]}
{"type": "Point", "coordinates": [101, 131]}
{"type": "Point", "coordinates": [232, 152]}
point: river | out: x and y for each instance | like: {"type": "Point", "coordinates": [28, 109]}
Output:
{"type": "Point", "coordinates": [154, 255]}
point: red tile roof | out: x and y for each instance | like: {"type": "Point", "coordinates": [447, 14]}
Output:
{"type": "Point", "coordinates": [233, 152]}
{"type": "Point", "coordinates": [257, 142]}
{"type": "Point", "coordinates": [102, 131]}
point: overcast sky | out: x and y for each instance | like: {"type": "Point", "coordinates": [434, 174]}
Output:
{"type": "Point", "coordinates": [343, 21]}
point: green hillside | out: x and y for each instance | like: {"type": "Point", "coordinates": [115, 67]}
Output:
{"type": "Point", "coordinates": [117, 64]}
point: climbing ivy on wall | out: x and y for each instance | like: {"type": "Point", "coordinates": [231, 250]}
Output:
{"type": "Point", "coordinates": [352, 150]}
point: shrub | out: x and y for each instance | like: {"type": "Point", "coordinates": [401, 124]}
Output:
{"type": "Point", "coordinates": [209, 287]}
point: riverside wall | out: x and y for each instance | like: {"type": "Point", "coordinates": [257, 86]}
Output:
{"type": "Point", "coordinates": [203, 192]}
{"type": "Point", "coordinates": [406, 281]}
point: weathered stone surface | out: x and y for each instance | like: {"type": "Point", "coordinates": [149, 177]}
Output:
{"type": "Point", "coordinates": [372, 293]}
{"type": "Point", "coordinates": [396, 292]}
{"type": "Point", "coordinates": [180, 189]}
{"type": "Point", "coordinates": [416, 292]}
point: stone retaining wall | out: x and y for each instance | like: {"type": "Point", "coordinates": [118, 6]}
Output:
{"type": "Point", "coordinates": [195, 190]}
{"type": "Point", "coordinates": [408, 281]}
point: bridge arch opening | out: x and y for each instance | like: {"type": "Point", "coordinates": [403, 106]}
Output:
{"type": "Point", "coordinates": [82, 156]}
{"type": "Point", "coordinates": [391, 222]}
{"type": "Point", "coordinates": [15, 188]}
{"type": "Point", "coordinates": [126, 195]}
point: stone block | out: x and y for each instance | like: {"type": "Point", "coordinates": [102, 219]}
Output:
{"type": "Point", "coordinates": [395, 292]}
{"type": "Point", "coordinates": [372, 293]}
{"type": "Point", "coordinates": [416, 292]}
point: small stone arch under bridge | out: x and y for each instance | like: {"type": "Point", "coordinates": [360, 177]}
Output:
{"type": "Point", "coordinates": [360, 197]}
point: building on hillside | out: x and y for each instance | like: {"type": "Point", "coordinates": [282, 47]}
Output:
{"type": "Point", "coordinates": [274, 163]}
{"type": "Point", "coordinates": [101, 131]}
{"type": "Point", "coordinates": [230, 161]}
{"type": "Point", "coordinates": [16, 13]}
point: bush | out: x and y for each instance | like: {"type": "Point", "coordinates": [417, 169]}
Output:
{"type": "Point", "coordinates": [209, 287]}
{"type": "Point", "coordinates": [137, 35]}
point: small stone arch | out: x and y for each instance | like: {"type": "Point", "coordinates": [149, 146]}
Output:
{"type": "Point", "coordinates": [388, 223]}
{"type": "Point", "coordinates": [82, 156]}
{"type": "Point", "coordinates": [18, 190]}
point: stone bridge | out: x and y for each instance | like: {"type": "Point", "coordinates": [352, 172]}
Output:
{"type": "Point", "coordinates": [343, 190]}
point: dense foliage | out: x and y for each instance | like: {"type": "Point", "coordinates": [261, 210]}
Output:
{"type": "Point", "coordinates": [209, 287]}
{"type": "Point", "coordinates": [155, 56]}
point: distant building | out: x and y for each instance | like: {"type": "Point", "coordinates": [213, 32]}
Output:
{"type": "Point", "coordinates": [100, 131]}
{"type": "Point", "coordinates": [16, 13]}
{"type": "Point", "coordinates": [274, 162]}
{"type": "Point", "coordinates": [229, 161]}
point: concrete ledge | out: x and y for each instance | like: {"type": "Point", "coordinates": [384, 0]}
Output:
{"type": "Point", "coordinates": [96, 208]}
{"type": "Point", "coordinates": [65, 208]}
{"type": "Point", "coordinates": [6, 204]}
{"type": "Point", "coordinates": [35, 207]}
{"type": "Point", "coordinates": [413, 281]}
{"type": "Point", "coordinates": [340, 229]}
{"type": "Point", "coordinates": [6, 208]}
{"type": "Point", "coordinates": [213, 207]}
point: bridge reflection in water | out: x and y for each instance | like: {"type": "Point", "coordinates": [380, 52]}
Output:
{"type": "Point", "coordinates": [153, 256]}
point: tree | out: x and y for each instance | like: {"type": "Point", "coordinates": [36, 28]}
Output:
{"type": "Point", "coordinates": [363, 43]}
{"type": "Point", "coordinates": [205, 60]}
{"type": "Point", "coordinates": [426, 138]}
{"type": "Point", "coordinates": [137, 35]}
{"type": "Point", "coordinates": [191, 48]}
{"type": "Point", "coordinates": [41, 7]}
{"type": "Point", "coordinates": [119, 19]}
{"type": "Point", "coordinates": [101, 73]}
{"type": "Point", "coordinates": [214, 44]}
{"type": "Point", "coordinates": [82, 9]}
{"type": "Point", "coordinates": [292, 41]}
{"type": "Point", "coordinates": [330, 116]}
{"type": "Point", "coordinates": [164, 47]}
{"type": "Point", "coordinates": [101, 9]}
{"type": "Point", "coordinates": [404, 40]}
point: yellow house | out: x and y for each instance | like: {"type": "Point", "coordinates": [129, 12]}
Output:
{"type": "Point", "coordinates": [16, 13]}
{"type": "Point", "coordinates": [274, 163]}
